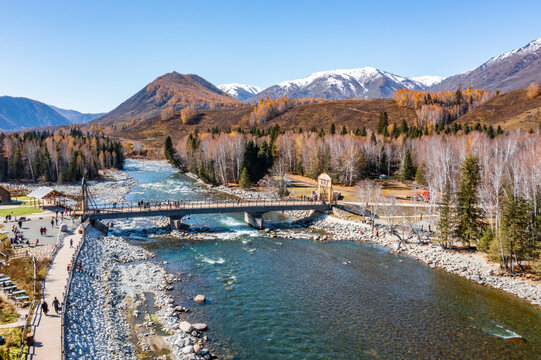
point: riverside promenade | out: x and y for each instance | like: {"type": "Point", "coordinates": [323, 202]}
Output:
{"type": "Point", "coordinates": [47, 329]}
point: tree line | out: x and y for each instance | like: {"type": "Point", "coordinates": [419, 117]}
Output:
{"type": "Point", "coordinates": [58, 156]}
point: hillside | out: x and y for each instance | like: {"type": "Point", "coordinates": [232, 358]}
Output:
{"type": "Point", "coordinates": [171, 92]}
{"type": "Point", "coordinates": [512, 110]}
{"type": "Point", "coordinates": [17, 113]}
{"type": "Point", "coordinates": [352, 113]}
{"type": "Point", "coordinates": [512, 70]}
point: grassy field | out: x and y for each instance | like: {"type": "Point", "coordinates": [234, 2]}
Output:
{"type": "Point", "coordinates": [19, 210]}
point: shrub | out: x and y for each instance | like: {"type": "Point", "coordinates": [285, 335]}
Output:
{"type": "Point", "coordinates": [534, 90]}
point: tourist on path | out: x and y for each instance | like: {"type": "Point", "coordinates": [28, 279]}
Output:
{"type": "Point", "coordinates": [44, 307]}
{"type": "Point", "coordinates": [71, 243]}
{"type": "Point", "coordinates": [52, 222]}
{"type": "Point", "coordinates": [56, 305]}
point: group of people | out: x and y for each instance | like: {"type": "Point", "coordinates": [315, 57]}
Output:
{"type": "Point", "coordinates": [45, 306]}
{"type": "Point", "coordinates": [43, 231]}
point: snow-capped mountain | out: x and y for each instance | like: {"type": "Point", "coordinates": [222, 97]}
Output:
{"type": "Point", "coordinates": [240, 92]}
{"type": "Point", "coordinates": [427, 80]}
{"type": "Point", "coordinates": [509, 71]}
{"type": "Point", "coordinates": [366, 82]}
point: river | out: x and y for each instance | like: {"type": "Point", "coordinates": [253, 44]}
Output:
{"type": "Point", "coordinates": [271, 298]}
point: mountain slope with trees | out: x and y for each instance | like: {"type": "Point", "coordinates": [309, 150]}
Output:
{"type": "Point", "coordinates": [166, 95]}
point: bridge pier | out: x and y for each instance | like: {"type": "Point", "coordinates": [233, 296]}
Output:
{"type": "Point", "coordinates": [177, 224]}
{"type": "Point", "coordinates": [255, 220]}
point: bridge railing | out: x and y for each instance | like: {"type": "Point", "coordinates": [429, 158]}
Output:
{"type": "Point", "coordinates": [193, 204]}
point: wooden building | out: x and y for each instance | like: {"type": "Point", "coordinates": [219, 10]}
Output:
{"type": "Point", "coordinates": [5, 195]}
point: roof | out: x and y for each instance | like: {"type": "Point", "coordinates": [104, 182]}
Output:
{"type": "Point", "coordinates": [44, 192]}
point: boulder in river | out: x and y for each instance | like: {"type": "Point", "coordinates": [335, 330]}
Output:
{"type": "Point", "coordinates": [186, 327]}
{"type": "Point", "coordinates": [200, 326]}
{"type": "Point", "coordinates": [200, 298]}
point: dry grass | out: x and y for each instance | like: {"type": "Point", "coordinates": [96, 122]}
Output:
{"type": "Point", "coordinates": [512, 110]}
{"type": "Point", "coordinates": [11, 348]}
{"type": "Point", "coordinates": [21, 273]}
{"type": "Point", "coordinates": [8, 313]}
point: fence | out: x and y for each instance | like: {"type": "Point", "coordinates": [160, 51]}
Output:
{"type": "Point", "coordinates": [31, 311]}
{"type": "Point", "coordinates": [67, 287]}
{"type": "Point", "coordinates": [182, 204]}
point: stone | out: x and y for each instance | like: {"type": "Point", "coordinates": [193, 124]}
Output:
{"type": "Point", "coordinates": [187, 349]}
{"type": "Point", "coordinates": [186, 327]}
{"type": "Point", "coordinates": [196, 348]}
{"type": "Point", "coordinates": [200, 298]}
{"type": "Point", "coordinates": [200, 326]}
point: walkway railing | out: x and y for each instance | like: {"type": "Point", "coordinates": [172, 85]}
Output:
{"type": "Point", "coordinates": [67, 287]}
{"type": "Point", "coordinates": [182, 204]}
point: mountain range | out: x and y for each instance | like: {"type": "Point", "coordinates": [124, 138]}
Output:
{"type": "Point", "coordinates": [172, 92]}
{"type": "Point", "coordinates": [19, 112]}
{"type": "Point", "coordinates": [510, 71]}
{"type": "Point", "coordinates": [241, 92]}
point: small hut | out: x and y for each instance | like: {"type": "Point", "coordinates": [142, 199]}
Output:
{"type": "Point", "coordinates": [5, 195]}
{"type": "Point", "coordinates": [47, 196]}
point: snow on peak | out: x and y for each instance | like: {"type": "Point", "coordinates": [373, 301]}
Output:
{"type": "Point", "coordinates": [233, 89]}
{"type": "Point", "coordinates": [530, 48]}
{"type": "Point", "coordinates": [361, 75]}
{"type": "Point", "coordinates": [427, 80]}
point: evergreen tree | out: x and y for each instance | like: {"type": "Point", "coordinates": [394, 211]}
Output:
{"type": "Point", "coordinates": [344, 130]}
{"type": "Point", "coordinates": [446, 220]}
{"type": "Point", "coordinates": [383, 122]}
{"type": "Point", "coordinates": [407, 171]}
{"type": "Point", "coordinates": [332, 129]}
{"type": "Point", "coordinates": [373, 138]}
{"type": "Point", "coordinates": [170, 153]}
{"type": "Point", "coordinates": [420, 175]}
{"type": "Point", "coordinates": [469, 215]}
{"type": "Point", "coordinates": [244, 179]}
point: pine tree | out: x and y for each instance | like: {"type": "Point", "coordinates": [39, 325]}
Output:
{"type": "Point", "coordinates": [170, 153]}
{"type": "Point", "coordinates": [407, 171]}
{"type": "Point", "coordinates": [332, 129]}
{"type": "Point", "coordinates": [344, 130]}
{"type": "Point", "coordinates": [446, 220]}
{"type": "Point", "coordinates": [420, 175]}
{"type": "Point", "coordinates": [383, 122]}
{"type": "Point", "coordinates": [244, 179]}
{"type": "Point", "coordinates": [469, 215]}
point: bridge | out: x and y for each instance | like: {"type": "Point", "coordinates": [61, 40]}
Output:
{"type": "Point", "coordinates": [175, 210]}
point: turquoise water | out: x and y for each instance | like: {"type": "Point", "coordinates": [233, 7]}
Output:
{"type": "Point", "coordinates": [272, 298]}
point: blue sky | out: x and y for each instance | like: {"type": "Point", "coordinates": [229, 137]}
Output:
{"type": "Point", "coordinates": [92, 55]}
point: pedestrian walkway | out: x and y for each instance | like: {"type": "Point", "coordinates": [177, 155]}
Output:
{"type": "Point", "coordinates": [47, 330]}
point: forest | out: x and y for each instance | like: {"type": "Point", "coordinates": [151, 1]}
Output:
{"type": "Point", "coordinates": [60, 156]}
{"type": "Point", "coordinates": [485, 184]}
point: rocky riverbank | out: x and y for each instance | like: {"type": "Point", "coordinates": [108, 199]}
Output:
{"type": "Point", "coordinates": [119, 298]}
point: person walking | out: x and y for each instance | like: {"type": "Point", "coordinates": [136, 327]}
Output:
{"type": "Point", "coordinates": [44, 307]}
{"type": "Point", "coordinates": [71, 243]}
{"type": "Point", "coordinates": [52, 222]}
{"type": "Point", "coordinates": [56, 305]}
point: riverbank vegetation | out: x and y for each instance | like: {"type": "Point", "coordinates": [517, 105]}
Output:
{"type": "Point", "coordinates": [484, 187]}
{"type": "Point", "coordinates": [61, 156]}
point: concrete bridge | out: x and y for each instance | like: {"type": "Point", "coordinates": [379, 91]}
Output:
{"type": "Point", "coordinates": [175, 210]}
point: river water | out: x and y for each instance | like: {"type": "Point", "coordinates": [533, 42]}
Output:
{"type": "Point", "coordinates": [271, 298]}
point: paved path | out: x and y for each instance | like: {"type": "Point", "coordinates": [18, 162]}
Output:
{"type": "Point", "coordinates": [47, 331]}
